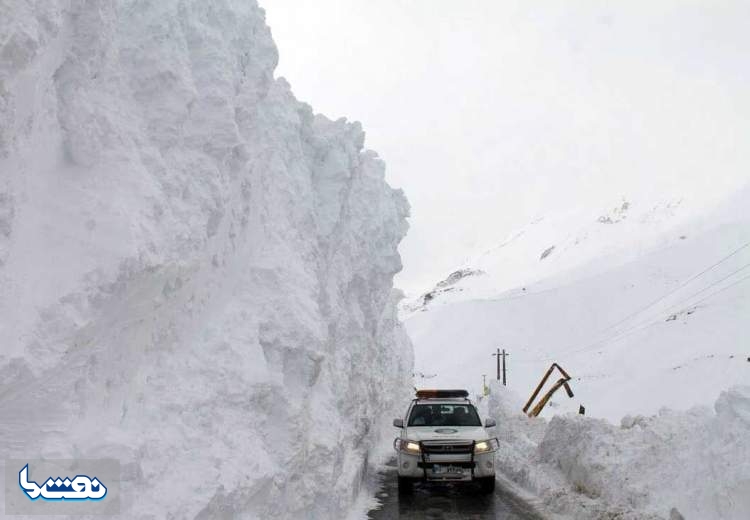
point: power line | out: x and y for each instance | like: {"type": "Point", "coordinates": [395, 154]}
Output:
{"type": "Point", "coordinates": [717, 282]}
{"type": "Point", "coordinates": [680, 286]}
{"type": "Point", "coordinates": [722, 290]}
{"type": "Point", "coordinates": [644, 325]}
{"type": "Point", "coordinates": [587, 346]}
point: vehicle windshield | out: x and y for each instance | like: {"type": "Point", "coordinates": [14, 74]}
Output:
{"type": "Point", "coordinates": [444, 415]}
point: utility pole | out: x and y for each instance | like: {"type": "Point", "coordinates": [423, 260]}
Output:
{"type": "Point", "coordinates": [484, 384]}
{"type": "Point", "coordinates": [503, 354]}
{"type": "Point", "coordinates": [504, 381]}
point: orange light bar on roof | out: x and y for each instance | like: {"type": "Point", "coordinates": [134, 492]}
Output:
{"type": "Point", "coordinates": [441, 394]}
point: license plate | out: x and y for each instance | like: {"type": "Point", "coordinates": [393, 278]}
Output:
{"type": "Point", "coordinates": [441, 469]}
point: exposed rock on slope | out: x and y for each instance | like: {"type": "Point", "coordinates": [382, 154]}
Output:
{"type": "Point", "coordinates": [443, 286]}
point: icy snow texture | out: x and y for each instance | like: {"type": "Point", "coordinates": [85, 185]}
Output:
{"type": "Point", "coordinates": [195, 270]}
{"type": "Point", "coordinates": [697, 462]}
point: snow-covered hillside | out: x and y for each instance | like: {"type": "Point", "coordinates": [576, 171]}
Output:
{"type": "Point", "coordinates": [195, 270]}
{"type": "Point", "coordinates": [645, 305]}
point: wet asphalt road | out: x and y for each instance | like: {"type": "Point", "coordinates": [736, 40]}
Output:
{"type": "Point", "coordinates": [447, 501]}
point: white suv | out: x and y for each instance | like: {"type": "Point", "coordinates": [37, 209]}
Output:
{"type": "Point", "coordinates": [442, 439]}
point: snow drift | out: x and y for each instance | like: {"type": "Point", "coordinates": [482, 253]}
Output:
{"type": "Point", "coordinates": [195, 270]}
{"type": "Point", "coordinates": [694, 464]}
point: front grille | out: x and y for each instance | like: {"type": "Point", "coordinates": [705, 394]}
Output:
{"type": "Point", "coordinates": [442, 447]}
{"type": "Point", "coordinates": [447, 453]}
{"type": "Point", "coordinates": [458, 464]}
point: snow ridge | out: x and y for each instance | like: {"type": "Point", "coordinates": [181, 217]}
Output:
{"type": "Point", "coordinates": [691, 464]}
{"type": "Point", "coordinates": [197, 262]}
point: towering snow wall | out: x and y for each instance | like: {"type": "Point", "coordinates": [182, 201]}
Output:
{"type": "Point", "coordinates": [195, 270]}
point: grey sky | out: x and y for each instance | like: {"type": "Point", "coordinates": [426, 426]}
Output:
{"type": "Point", "coordinates": [489, 113]}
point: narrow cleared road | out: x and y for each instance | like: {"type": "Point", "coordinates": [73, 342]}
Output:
{"type": "Point", "coordinates": [446, 501]}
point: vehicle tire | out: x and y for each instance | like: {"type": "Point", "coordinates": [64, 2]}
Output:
{"type": "Point", "coordinates": [405, 486]}
{"type": "Point", "coordinates": [487, 485]}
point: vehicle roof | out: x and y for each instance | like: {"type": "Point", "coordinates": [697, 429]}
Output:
{"type": "Point", "coordinates": [443, 400]}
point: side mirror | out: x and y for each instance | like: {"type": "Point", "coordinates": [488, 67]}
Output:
{"type": "Point", "coordinates": [398, 423]}
{"type": "Point", "coordinates": [490, 423]}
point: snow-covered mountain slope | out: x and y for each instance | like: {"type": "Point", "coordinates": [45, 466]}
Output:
{"type": "Point", "coordinates": [645, 307]}
{"type": "Point", "coordinates": [552, 244]}
{"type": "Point", "coordinates": [195, 270]}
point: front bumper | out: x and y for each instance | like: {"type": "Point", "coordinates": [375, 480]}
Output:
{"type": "Point", "coordinates": [446, 467]}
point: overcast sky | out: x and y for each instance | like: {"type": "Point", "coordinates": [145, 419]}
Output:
{"type": "Point", "coordinates": [489, 113]}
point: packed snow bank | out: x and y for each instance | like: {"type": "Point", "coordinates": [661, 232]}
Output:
{"type": "Point", "coordinates": [195, 270]}
{"type": "Point", "coordinates": [696, 463]}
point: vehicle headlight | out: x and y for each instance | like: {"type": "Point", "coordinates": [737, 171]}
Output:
{"type": "Point", "coordinates": [407, 446]}
{"type": "Point", "coordinates": [486, 446]}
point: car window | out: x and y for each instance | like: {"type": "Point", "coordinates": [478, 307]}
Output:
{"type": "Point", "coordinates": [444, 415]}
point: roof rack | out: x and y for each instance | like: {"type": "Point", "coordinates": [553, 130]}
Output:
{"type": "Point", "coordinates": [442, 394]}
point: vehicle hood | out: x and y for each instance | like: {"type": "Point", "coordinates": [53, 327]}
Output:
{"type": "Point", "coordinates": [431, 433]}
